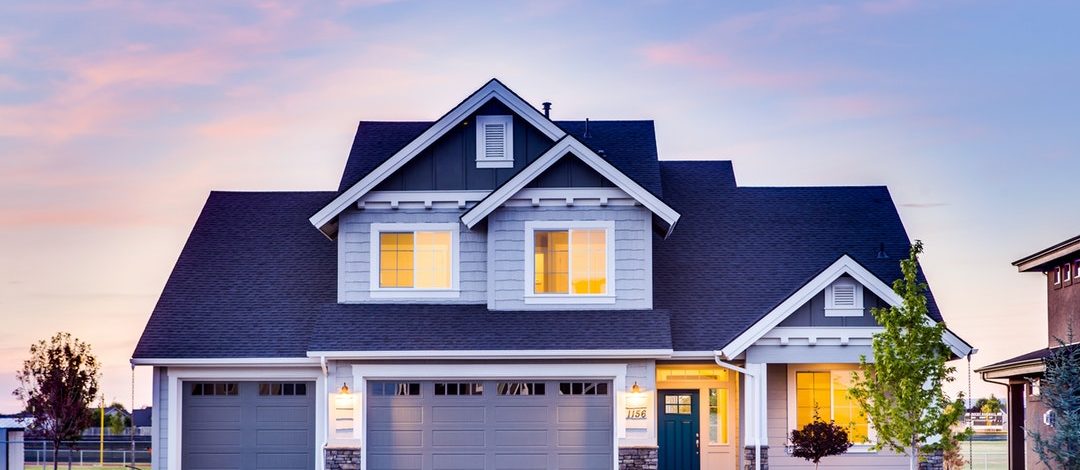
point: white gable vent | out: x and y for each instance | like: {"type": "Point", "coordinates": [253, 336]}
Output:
{"type": "Point", "coordinates": [844, 298]}
{"type": "Point", "coordinates": [494, 141]}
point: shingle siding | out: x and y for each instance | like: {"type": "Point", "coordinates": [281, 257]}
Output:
{"type": "Point", "coordinates": [355, 244]}
{"type": "Point", "coordinates": [633, 254]}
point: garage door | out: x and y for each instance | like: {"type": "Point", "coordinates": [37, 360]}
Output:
{"type": "Point", "coordinates": [248, 425]}
{"type": "Point", "coordinates": [488, 425]}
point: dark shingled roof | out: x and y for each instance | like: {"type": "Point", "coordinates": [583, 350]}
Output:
{"type": "Point", "coordinates": [629, 145]}
{"type": "Point", "coordinates": [255, 279]}
{"type": "Point", "coordinates": [738, 252]}
{"type": "Point", "coordinates": [1036, 355]}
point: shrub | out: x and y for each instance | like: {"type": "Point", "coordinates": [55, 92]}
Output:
{"type": "Point", "coordinates": [818, 440]}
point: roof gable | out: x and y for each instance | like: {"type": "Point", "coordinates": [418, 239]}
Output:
{"type": "Point", "coordinates": [494, 89]}
{"type": "Point", "coordinates": [570, 146]}
{"type": "Point", "coordinates": [844, 265]}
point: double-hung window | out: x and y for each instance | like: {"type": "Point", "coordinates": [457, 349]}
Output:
{"type": "Point", "coordinates": [414, 260]}
{"type": "Point", "coordinates": [824, 393]}
{"type": "Point", "coordinates": [569, 262]}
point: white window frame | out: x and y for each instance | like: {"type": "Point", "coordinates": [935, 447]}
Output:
{"type": "Point", "coordinates": [1057, 276]}
{"type": "Point", "coordinates": [482, 161]}
{"type": "Point", "coordinates": [379, 292]}
{"type": "Point", "coordinates": [531, 297]}
{"type": "Point", "coordinates": [1067, 277]}
{"type": "Point", "coordinates": [831, 310]}
{"type": "Point", "coordinates": [792, 397]}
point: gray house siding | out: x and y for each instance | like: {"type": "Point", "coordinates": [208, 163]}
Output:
{"type": "Point", "coordinates": [450, 162]}
{"type": "Point", "coordinates": [570, 172]}
{"type": "Point", "coordinates": [160, 436]}
{"type": "Point", "coordinates": [632, 257]}
{"type": "Point", "coordinates": [354, 258]}
{"type": "Point", "coordinates": [813, 313]}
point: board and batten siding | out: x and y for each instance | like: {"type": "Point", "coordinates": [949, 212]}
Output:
{"type": "Point", "coordinates": [354, 254]}
{"type": "Point", "coordinates": [633, 255]}
{"type": "Point", "coordinates": [777, 403]}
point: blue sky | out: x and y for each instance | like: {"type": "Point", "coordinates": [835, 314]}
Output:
{"type": "Point", "coordinates": [117, 118]}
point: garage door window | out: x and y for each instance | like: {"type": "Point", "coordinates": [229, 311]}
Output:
{"type": "Point", "coordinates": [521, 388]}
{"type": "Point", "coordinates": [583, 388]}
{"type": "Point", "coordinates": [282, 389]}
{"type": "Point", "coordinates": [389, 389]}
{"type": "Point", "coordinates": [215, 389]}
{"type": "Point", "coordinates": [458, 388]}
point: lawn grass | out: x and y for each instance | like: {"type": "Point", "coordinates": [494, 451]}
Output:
{"type": "Point", "coordinates": [987, 455]}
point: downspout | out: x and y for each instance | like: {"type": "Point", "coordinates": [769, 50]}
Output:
{"type": "Point", "coordinates": [326, 401]}
{"type": "Point", "coordinates": [757, 394]}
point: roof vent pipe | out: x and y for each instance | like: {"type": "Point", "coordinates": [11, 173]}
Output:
{"type": "Point", "coordinates": [547, 109]}
{"type": "Point", "coordinates": [586, 134]}
{"type": "Point", "coordinates": [881, 254]}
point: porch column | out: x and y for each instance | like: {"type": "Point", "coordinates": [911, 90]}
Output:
{"type": "Point", "coordinates": [1015, 401]}
{"type": "Point", "coordinates": [755, 416]}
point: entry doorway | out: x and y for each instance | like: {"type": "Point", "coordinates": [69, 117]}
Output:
{"type": "Point", "coordinates": [679, 432]}
{"type": "Point", "coordinates": [714, 402]}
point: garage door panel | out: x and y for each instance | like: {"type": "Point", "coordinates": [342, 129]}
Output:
{"type": "Point", "coordinates": [399, 438]}
{"type": "Point", "coordinates": [501, 427]}
{"type": "Point", "coordinates": [521, 438]}
{"type": "Point", "coordinates": [242, 425]}
{"type": "Point", "coordinates": [395, 414]}
{"type": "Point", "coordinates": [395, 461]}
{"type": "Point", "coordinates": [519, 461]}
{"type": "Point", "coordinates": [459, 461]}
{"type": "Point", "coordinates": [459, 438]}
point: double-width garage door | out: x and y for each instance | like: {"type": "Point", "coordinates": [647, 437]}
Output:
{"type": "Point", "coordinates": [489, 425]}
{"type": "Point", "coordinates": [248, 426]}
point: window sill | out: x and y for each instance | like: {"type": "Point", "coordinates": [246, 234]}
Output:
{"type": "Point", "coordinates": [494, 163]}
{"type": "Point", "coordinates": [568, 299]}
{"type": "Point", "coordinates": [414, 293]}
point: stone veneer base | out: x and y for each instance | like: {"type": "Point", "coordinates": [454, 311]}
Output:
{"type": "Point", "coordinates": [342, 458]}
{"type": "Point", "coordinates": [748, 458]}
{"type": "Point", "coordinates": [638, 458]}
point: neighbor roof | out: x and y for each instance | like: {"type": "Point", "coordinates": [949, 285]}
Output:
{"type": "Point", "coordinates": [1047, 256]}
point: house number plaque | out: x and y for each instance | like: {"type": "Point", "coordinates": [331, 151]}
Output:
{"type": "Point", "coordinates": [635, 413]}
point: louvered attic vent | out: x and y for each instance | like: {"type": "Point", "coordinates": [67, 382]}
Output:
{"type": "Point", "coordinates": [494, 141]}
{"type": "Point", "coordinates": [844, 298]}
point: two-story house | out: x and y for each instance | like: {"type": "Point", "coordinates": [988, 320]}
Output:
{"type": "Point", "coordinates": [1060, 264]}
{"type": "Point", "coordinates": [498, 290]}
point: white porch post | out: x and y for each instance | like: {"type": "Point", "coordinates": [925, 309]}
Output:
{"type": "Point", "coordinates": [755, 413]}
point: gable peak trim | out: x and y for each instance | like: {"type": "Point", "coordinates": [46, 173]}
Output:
{"type": "Point", "coordinates": [493, 89]}
{"type": "Point", "coordinates": [567, 145]}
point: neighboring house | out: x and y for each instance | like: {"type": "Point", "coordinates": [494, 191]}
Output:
{"type": "Point", "coordinates": [499, 290]}
{"type": "Point", "coordinates": [12, 447]}
{"type": "Point", "coordinates": [1061, 266]}
{"type": "Point", "coordinates": [142, 419]}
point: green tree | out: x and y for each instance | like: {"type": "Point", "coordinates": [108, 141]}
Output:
{"type": "Point", "coordinates": [901, 390]}
{"type": "Point", "coordinates": [989, 405]}
{"type": "Point", "coordinates": [58, 385]}
{"type": "Point", "coordinates": [1060, 392]}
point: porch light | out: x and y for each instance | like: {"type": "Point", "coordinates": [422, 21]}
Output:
{"type": "Point", "coordinates": [635, 388]}
{"type": "Point", "coordinates": [344, 398]}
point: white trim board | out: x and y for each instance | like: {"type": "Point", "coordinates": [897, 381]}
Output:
{"type": "Point", "coordinates": [569, 144]}
{"type": "Point", "coordinates": [230, 362]}
{"type": "Point", "coordinates": [492, 90]}
{"type": "Point", "coordinates": [844, 265]}
{"type": "Point", "coordinates": [499, 354]}
{"type": "Point", "coordinates": [616, 372]}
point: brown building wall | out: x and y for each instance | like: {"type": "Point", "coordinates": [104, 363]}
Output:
{"type": "Point", "coordinates": [1063, 304]}
{"type": "Point", "coordinates": [1033, 422]}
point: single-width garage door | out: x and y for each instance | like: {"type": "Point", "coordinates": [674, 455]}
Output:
{"type": "Point", "coordinates": [490, 425]}
{"type": "Point", "coordinates": [248, 426]}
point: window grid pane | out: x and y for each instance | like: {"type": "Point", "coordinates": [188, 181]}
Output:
{"type": "Point", "coordinates": [589, 267]}
{"type": "Point", "coordinates": [812, 393]}
{"type": "Point", "coordinates": [551, 262]}
{"type": "Point", "coordinates": [395, 259]}
{"type": "Point", "coordinates": [718, 416]}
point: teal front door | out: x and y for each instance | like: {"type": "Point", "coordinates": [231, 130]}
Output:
{"type": "Point", "coordinates": [678, 433]}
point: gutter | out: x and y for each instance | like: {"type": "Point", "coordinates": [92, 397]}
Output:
{"type": "Point", "coordinates": [757, 393]}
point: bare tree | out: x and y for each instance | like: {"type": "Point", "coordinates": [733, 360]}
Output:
{"type": "Point", "coordinates": [58, 385]}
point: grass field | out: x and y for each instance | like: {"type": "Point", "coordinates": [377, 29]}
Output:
{"type": "Point", "coordinates": [987, 455]}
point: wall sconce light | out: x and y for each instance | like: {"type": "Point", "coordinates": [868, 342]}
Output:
{"type": "Point", "coordinates": [635, 388]}
{"type": "Point", "coordinates": [344, 398]}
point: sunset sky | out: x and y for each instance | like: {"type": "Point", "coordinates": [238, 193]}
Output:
{"type": "Point", "coordinates": [117, 118]}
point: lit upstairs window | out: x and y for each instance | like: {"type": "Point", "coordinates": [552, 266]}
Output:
{"type": "Point", "coordinates": [572, 261]}
{"type": "Point", "coordinates": [415, 260]}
